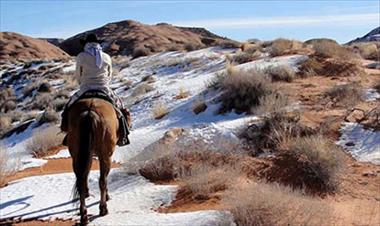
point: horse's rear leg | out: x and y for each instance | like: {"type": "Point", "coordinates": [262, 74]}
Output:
{"type": "Point", "coordinates": [105, 166]}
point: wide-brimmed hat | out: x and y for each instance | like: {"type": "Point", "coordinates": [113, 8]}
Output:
{"type": "Point", "coordinates": [91, 37]}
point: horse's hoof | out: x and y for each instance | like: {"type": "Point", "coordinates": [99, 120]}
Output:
{"type": "Point", "coordinates": [103, 211]}
{"type": "Point", "coordinates": [87, 195]}
{"type": "Point", "coordinates": [84, 221]}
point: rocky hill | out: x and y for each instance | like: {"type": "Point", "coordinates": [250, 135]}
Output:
{"type": "Point", "coordinates": [16, 47]}
{"type": "Point", "coordinates": [133, 38]}
{"type": "Point", "coordinates": [372, 36]}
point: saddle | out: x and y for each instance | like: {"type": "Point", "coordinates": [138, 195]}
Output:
{"type": "Point", "coordinates": [123, 115]}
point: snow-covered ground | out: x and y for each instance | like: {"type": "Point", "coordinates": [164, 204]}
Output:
{"type": "Point", "coordinates": [134, 199]}
{"type": "Point", "coordinates": [362, 143]}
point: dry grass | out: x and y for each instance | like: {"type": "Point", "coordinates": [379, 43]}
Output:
{"type": "Point", "coordinates": [183, 93]}
{"type": "Point", "coordinates": [322, 160]}
{"type": "Point", "coordinates": [328, 49]}
{"type": "Point", "coordinates": [261, 204]}
{"type": "Point", "coordinates": [347, 95]}
{"type": "Point", "coordinates": [44, 140]}
{"type": "Point", "coordinates": [242, 90]}
{"type": "Point", "coordinates": [205, 180]}
{"type": "Point", "coordinates": [8, 165]}
{"type": "Point", "coordinates": [199, 106]}
{"type": "Point", "coordinates": [42, 101]}
{"type": "Point", "coordinates": [368, 51]}
{"type": "Point", "coordinates": [142, 89]}
{"type": "Point", "coordinates": [5, 123]}
{"type": "Point", "coordinates": [192, 46]}
{"type": "Point", "coordinates": [140, 51]}
{"type": "Point", "coordinates": [49, 116]}
{"type": "Point", "coordinates": [160, 110]}
{"type": "Point", "coordinates": [282, 46]}
{"type": "Point", "coordinates": [244, 57]}
{"type": "Point", "coordinates": [275, 132]}
{"type": "Point", "coordinates": [281, 73]}
{"type": "Point", "coordinates": [148, 79]}
{"type": "Point", "coordinates": [229, 44]}
{"type": "Point", "coordinates": [272, 103]}
{"type": "Point", "coordinates": [316, 65]}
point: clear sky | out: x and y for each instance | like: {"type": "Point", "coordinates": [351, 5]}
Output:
{"type": "Point", "coordinates": [341, 20]}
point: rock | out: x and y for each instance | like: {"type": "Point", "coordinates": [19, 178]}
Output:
{"type": "Point", "coordinates": [171, 135]}
{"type": "Point", "coordinates": [369, 174]}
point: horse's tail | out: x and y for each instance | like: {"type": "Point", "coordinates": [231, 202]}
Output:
{"type": "Point", "coordinates": [87, 123]}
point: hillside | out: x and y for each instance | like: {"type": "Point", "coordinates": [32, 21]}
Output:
{"type": "Point", "coordinates": [372, 36]}
{"type": "Point", "coordinates": [17, 47]}
{"type": "Point", "coordinates": [133, 38]}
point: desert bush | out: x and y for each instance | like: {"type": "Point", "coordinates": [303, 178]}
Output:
{"type": "Point", "coordinates": [244, 57]}
{"type": "Point", "coordinates": [44, 141]}
{"type": "Point", "coordinates": [368, 50]}
{"type": "Point", "coordinates": [142, 89]}
{"type": "Point", "coordinates": [140, 51]}
{"type": "Point", "coordinates": [6, 94]}
{"type": "Point", "coordinates": [252, 48]}
{"type": "Point", "coordinates": [275, 102]}
{"type": "Point", "coordinates": [332, 67]}
{"type": "Point", "coordinates": [192, 46]}
{"type": "Point", "coordinates": [5, 123]}
{"type": "Point", "coordinates": [199, 106]}
{"type": "Point", "coordinates": [8, 165]}
{"type": "Point", "coordinates": [328, 49]}
{"type": "Point", "coordinates": [347, 95]}
{"type": "Point", "coordinates": [160, 110]}
{"type": "Point", "coordinates": [182, 94]}
{"type": "Point", "coordinates": [377, 86]}
{"type": "Point", "coordinates": [173, 47]}
{"type": "Point", "coordinates": [321, 160]}
{"type": "Point", "coordinates": [49, 116]}
{"type": "Point", "coordinates": [284, 46]}
{"type": "Point", "coordinates": [242, 90]}
{"type": "Point", "coordinates": [275, 132]}
{"type": "Point", "coordinates": [204, 180]}
{"type": "Point", "coordinates": [148, 78]}
{"type": "Point", "coordinates": [44, 87]}
{"type": "Point", "coordinates": [229, 44]}
{"type": "Point", "coordinates": [281, 73]}
{"type": "Point", "coordinates": [59, 103]}
{"type": "Point", "coordinates": [29, 89]}
{"type": "Point", "coordinates": [42, 101]}
{"type": "Point", "coordinates": [261, 204]}
{"type": "Point", "coordinates": [8, 105]}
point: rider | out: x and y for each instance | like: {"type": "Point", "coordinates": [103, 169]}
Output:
{"type": "Point", "coordinates": [94, 72]}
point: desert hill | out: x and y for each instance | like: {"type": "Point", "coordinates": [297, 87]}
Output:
{"type": "Point", "coordinates": [14, 47]}
{"type": "Point", "coordinates": [372, 36]}
{"type": "Point", "coordinates": [129, 37]}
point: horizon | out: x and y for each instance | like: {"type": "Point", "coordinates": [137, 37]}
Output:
{"type": "Point", "coordinates": [238, 20]}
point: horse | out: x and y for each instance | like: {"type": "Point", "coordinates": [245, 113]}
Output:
{"type": "Point", "coordinates": [92, 130]}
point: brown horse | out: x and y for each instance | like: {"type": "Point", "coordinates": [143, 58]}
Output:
{"type": "Point", "coordinates": [92, 130]}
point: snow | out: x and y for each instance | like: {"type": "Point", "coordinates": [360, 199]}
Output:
{"type": "Point", "coordinates": [133, 201]}
{"type": "Point", "coordinates": [371, 95]}
{"type": "Point", "coordinates": [64, 153]}
{"type": "Point", "coordinates": [363, 144]}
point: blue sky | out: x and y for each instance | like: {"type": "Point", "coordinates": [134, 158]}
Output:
{"type": "Point", "coordinates": [341, 20]}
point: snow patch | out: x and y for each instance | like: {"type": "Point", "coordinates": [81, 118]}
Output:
{"type": "Point", "coordinates": [362, 143]}
{"type": "Point", "coordinates": [371, 95]}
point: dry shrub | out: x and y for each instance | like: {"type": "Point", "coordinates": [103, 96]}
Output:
{"type": "Point", "coordinates": [8, 105]}
{"type": "Point", "coordinates": [192, 46]}
{"type": "Point", "coordinates": [251, 48]}
{"type": "Point", "coordinates": [41, 101]}
{"type": "Point", "coordinates": [316, 65]}
{"type": "Point", "coordinates": [49, 116]}
{"type": "Point", "coordinates": [281, 73]}
{"type": "Point", "coordinates": [159, 110]}
{"type": "Point", "coordinates": [275, 132]}
{"type": "Point", "coordinates": [328, 49]}
{"type": "Point", "coordinates": [140, 51]}
{"type": "Point", "coordinates": [6, 94]}
{"type": "Point", "coordinates": [29, 89]}
{"type": "Point", "coordinates": [204, 180]}
{"type": "Point", "coordinates": [284, 46]}
{"type": "Point", "coordinates": [59, 103]}
{"type": "Point", "coordinates": [368, 50]}
{"type": "Point", "coordinates": [5, 123]}
{"type": "Point", "coordinates": [44, 141]}
{"type": "Point", "coordinates": [244, 57]}
{"type": "Point", "coordinates": [142, 89]}
{"type": "Point", "coordinates": [183, 93]}
{"type": "Point", "coordinates": [272, 103]}
{"type": "Point", "coordinates": [242, 90]}
{"type": "Point", "coordinates": [377, 86]}
{"type": "Point", "coordinates": [321, 160]}
{"type": "Point", "coordinates": [261, 204]}
{"type": "Point", "coordinates": [148, 79]}
{"type": "Point", "coordinates": [347, 95]}
{"type": "Point", "coordinates": [199, 106]}
{"type": "Point", "coordinates": [229, 44]}
{"type": "Point", "coordinates": [8, 165]}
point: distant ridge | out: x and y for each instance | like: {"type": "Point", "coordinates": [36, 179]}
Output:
{"type": "Point", "coordinates": [372, 36]}
{"type": "Point", "coordinates": [128, 36]}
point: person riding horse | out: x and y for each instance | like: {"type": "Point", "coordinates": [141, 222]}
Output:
{"type": "Point", "coordinates": [94, 72]}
